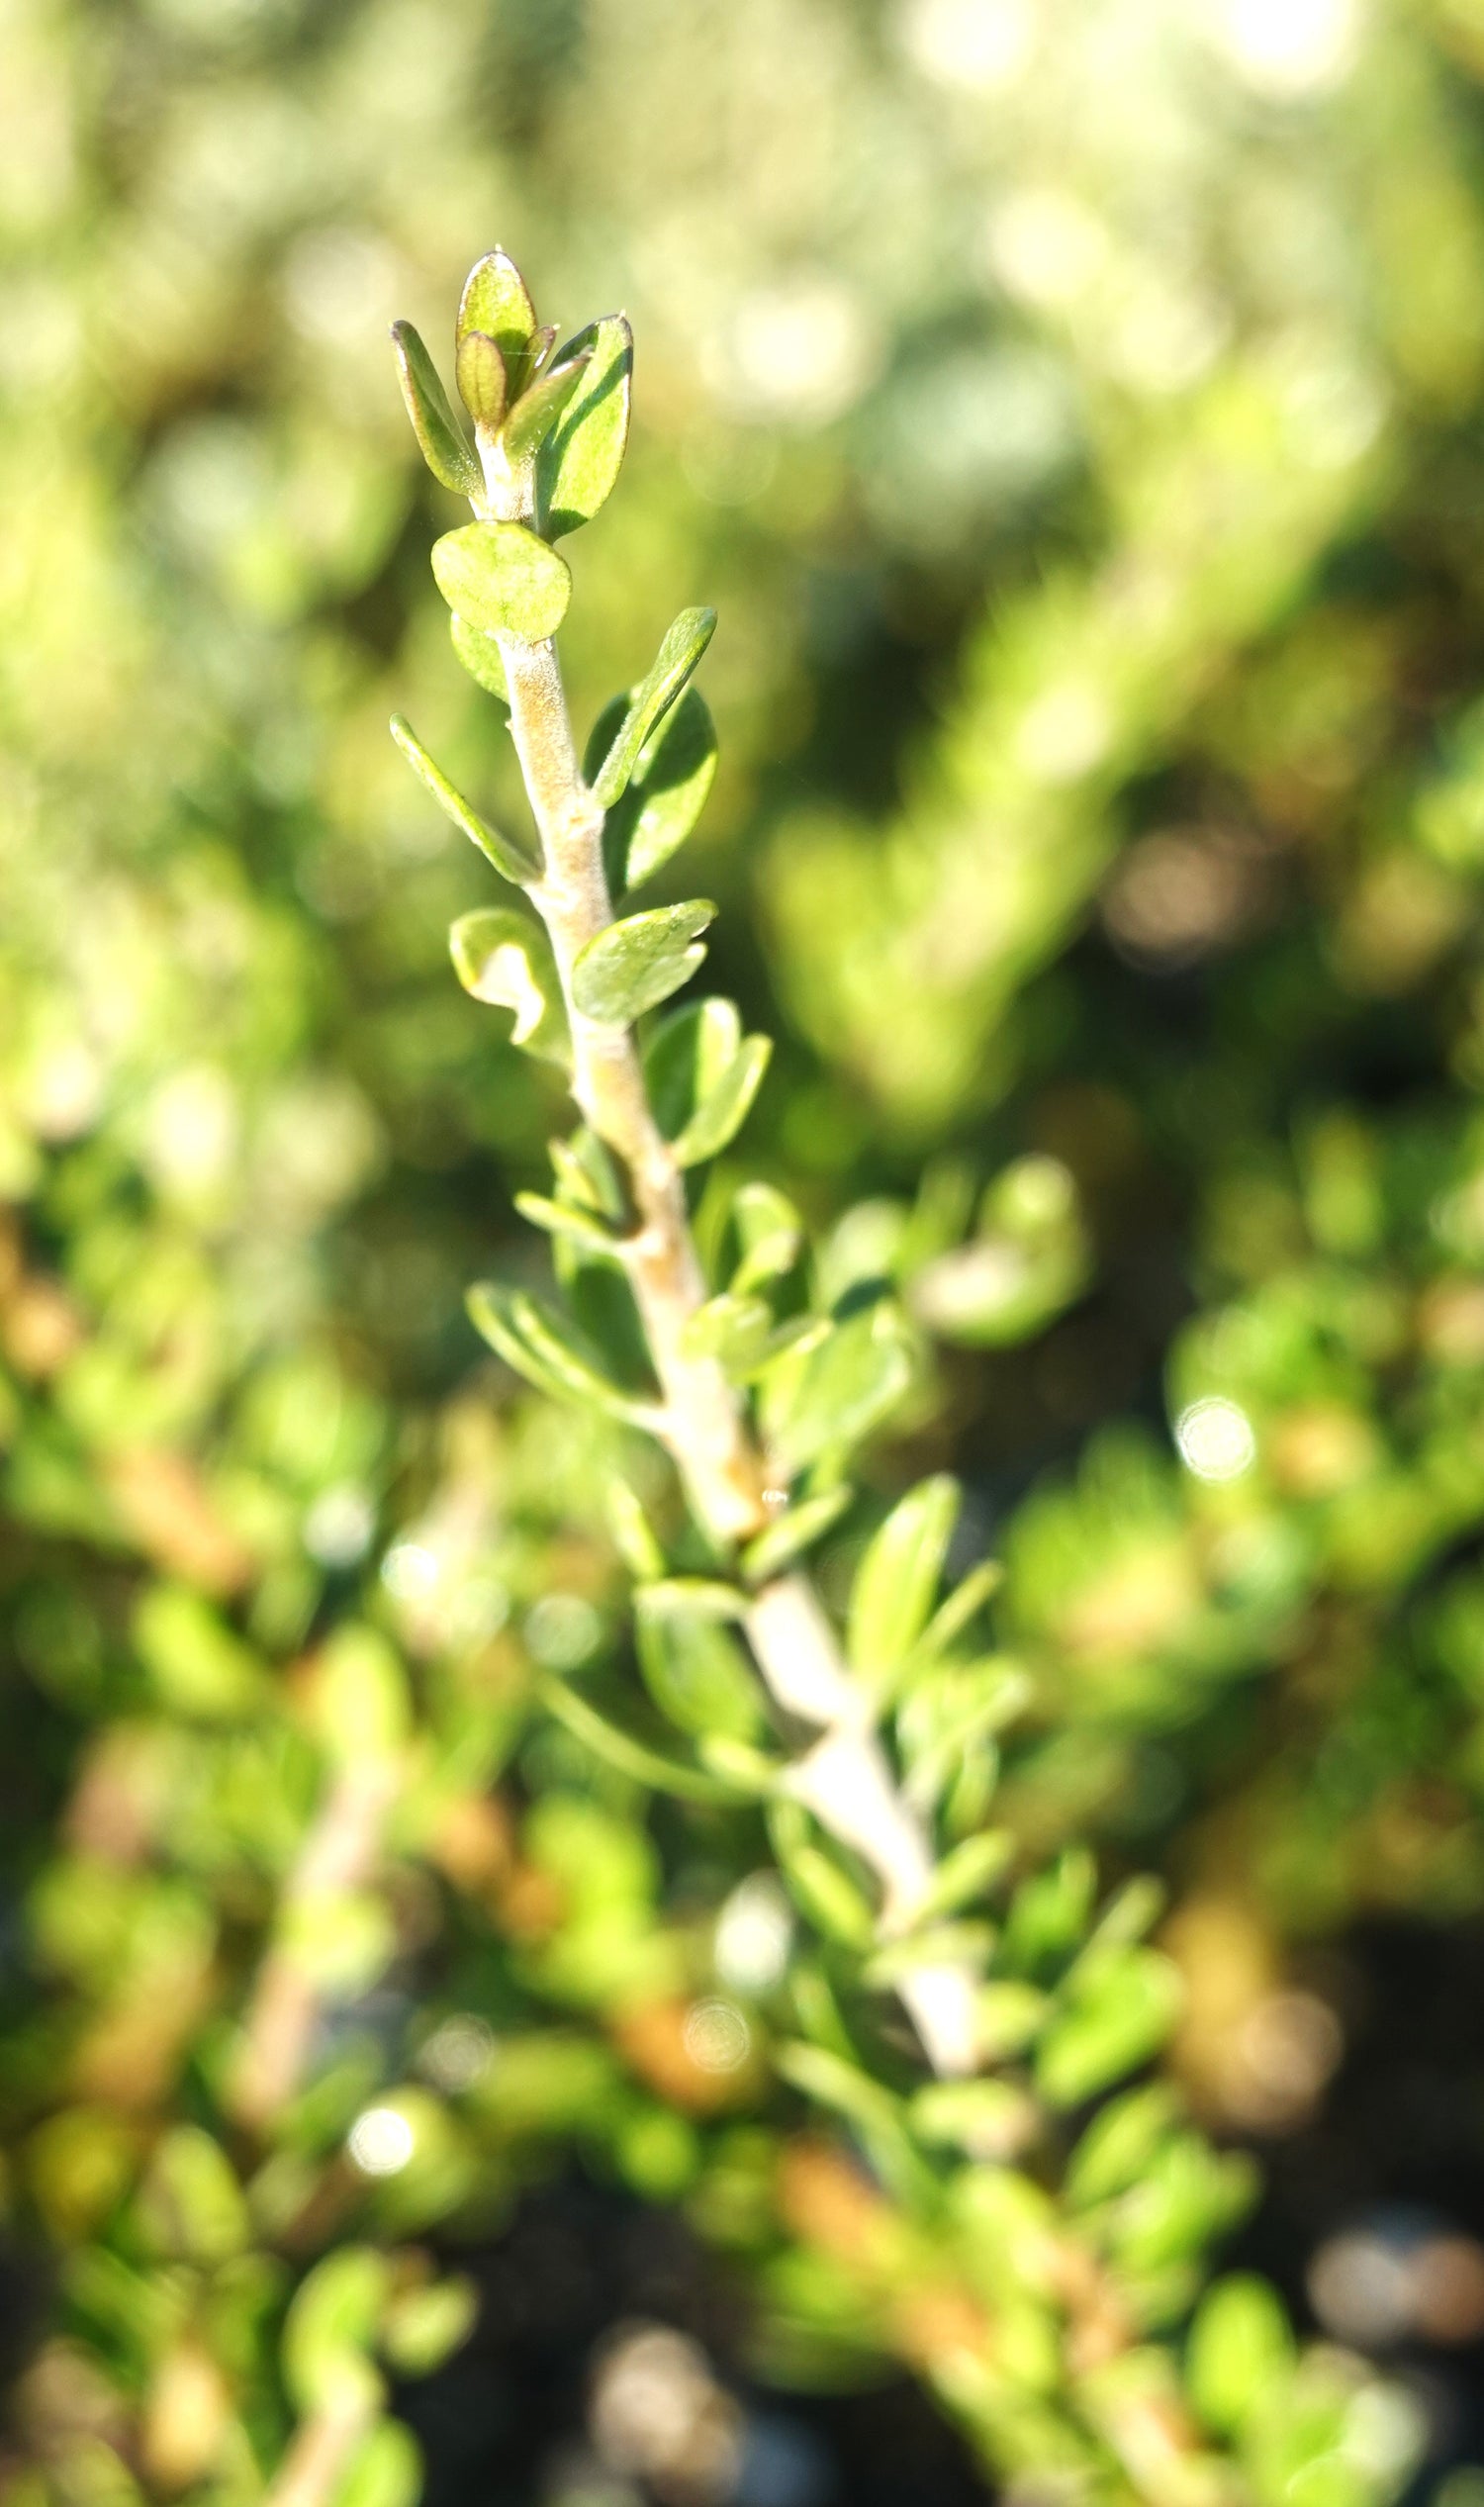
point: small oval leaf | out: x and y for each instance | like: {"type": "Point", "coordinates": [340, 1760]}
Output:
{"type": "Point", "coordinates": [666, 792]}
{"type": "Point", "coordinates": [639, 962]}
{"type": "Point", "coordinates": [506, 958]}
{"type": "Point", "coordinates": [483, 386]}
{"type": "Point", "coordinates": [508, 858]}
{"type": "Point", "coordinates": [496, 301]}
{"type": "Point", "coordinates": [673, 666]}
{"type": "Point", "coordinates": [581, 458]}
{"type": "Point", "coordinates": [444, 449]}
{"type": "Point", "coordinates": [503, 580]}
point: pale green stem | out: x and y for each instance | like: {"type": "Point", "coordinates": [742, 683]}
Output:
{"type": "Point", "coordinates": [845, 1778]}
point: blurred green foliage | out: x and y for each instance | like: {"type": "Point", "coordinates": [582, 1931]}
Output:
{"type": "Point", "coordinates": [1075, 418]}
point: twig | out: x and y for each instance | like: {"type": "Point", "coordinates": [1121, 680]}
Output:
{"type": "Point", "coordinates": [845, 1779]}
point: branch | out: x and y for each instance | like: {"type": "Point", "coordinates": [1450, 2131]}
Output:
{"type": "Point", "coordinates": [845, 1778]}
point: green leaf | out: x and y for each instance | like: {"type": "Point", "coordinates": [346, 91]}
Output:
{"type": "Point", "coordinates": [794, 1533]}
{"type": "Point", "coordinates": [639, 962]}
{"type": "Point", "coordinates": [484, 386]}
{"type": "Point", "coordinates": [503, 578]}
{"type": "Point", "coordinates": [1051, 1914]}
{"type": "Point", "coordinates": [720, 1115]}
{"type": "Point", "coordinates": [835, 2082]}
{"type": "Point", "coordinates": [991, 2120]}
{"type": "Point", "coordinates": [540, 1346]}
{"type": "Point", "coordinates": [331, 2327]}
{"type": "Point", "coordinates": [386, 2470]}
{"type": "Point", "coordinates": [560, 1217]}
{"type": "Point", "coordinates": [693, 1666]}
{"type": "Point", "coordinates": [527, 363]}
{"type": "Point", "coordinates": [424, 2327]}
{"type": "Point", "coordinates": [1119, 2147]}
{"type": "Point", "coordinates": [1118, 2016]}
{"type": "Point", "coordinates": [506, 856]}
{"type": "Point", "coordinates": [673, 666]}
{"type": "Point", "coordinates": [665, 791]}
{"type": "Point", "coordinates": [580, 461]}
{"type": "Point", "coordinates": [702, 1077]}
{"type": "Point", "coordinates": [505, 958]}
{"type": "Point", "coordinates": [481, 657]}
{"type": "Point", "coordinates": [541, 405]}
{"type": "Point", "coordinates": [444, 447]}
{"type": "Point", "coordinates": [966, 1946]}
{"type": "Point", "coordinates": [584, 1172]}
{"type": "Point", "coordinates": [634, 1533]}
{"type": "Point", "coordinates": [1240, 2354]}
{"type": "Point", "coordinates": [966, 1872]}
{"type": "Point", "coordinates": [768, 1233]}
{"type": "Point", "coordinates": [750, 1771]}
{"type": "Point", "coordinates": [963, 1605]}
{"type": "Point", "coordinates": [632, 1757]}
{"type": "Point", "coordinates": [684, 1057]}
{"type": "Point", "coordinates": [836, 1392]}
{"type": "Point", "coordinates": [496, 301]}
{"type": "Point", "coordinates": [735, 1330]}
{"type": "Point", "coordinates": [896, 1582]}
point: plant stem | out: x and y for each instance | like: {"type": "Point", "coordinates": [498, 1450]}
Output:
{"type": "Point", "coordinates": [844, 1778]}
{"type": "Point", "coordinates": [339, 1853]}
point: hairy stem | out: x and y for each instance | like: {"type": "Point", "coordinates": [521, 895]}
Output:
{"type": "Point", "coordinates": [844, 1778]}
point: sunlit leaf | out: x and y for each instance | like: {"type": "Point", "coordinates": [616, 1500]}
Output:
{"type": "Point", "coordinates": [481, 657]}
{"type": "Point", "coordinates": [505, 958]}
{"type": "Point", "coordinates": [639, 962]}
{"type": "Point", "coordinates": [484, 386]}
{"type": "Point", "coordinates": [496, 301]}
{"type": "Point", "coordinates": [694, 1667]}
{"type": "Point", "coordinates": [834, 1393]}
{"type": "Point", "coordinates": [1120, 2015]}
{"type": "Point", "coordinates": [725, 1108]}
{"type": "Point", "coordinates": [503, 578]}
{"type": "Point", "coordinates": [542, 1345]}
{"type": "Point", "coordinates": [445, 448]}
{"type": "Point", "coordinates": [579, 463]}
{"type": "Point", "coordinates": [673, 666]}
{"type": "Point", "coordinates": [507, 858]}
{"type": "Point", "coordinates": [625, 1751]}
{"type": "Point", "coordinates": [665, 791]}
{"type": "Point", "coordinates": [541, 405]}
{"type": "Point", "coordinates": [793, 1532]}
{"type": "Point", "coordinates": [896, 1582]}
{"type": "Point", "coordinates": [1241, 2352]}
{"type": "Point", "coordinates": [685, 1054]}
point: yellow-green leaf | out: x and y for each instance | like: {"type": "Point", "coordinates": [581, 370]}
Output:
{"type": "Point", "coordinates": [506, 856]}
{"type": "Point", "coordinates": [581, 458]}
{"type": "Point", "coordinates": [444, 446]}
{"type": "Point", "coordinates": [503, 578]}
